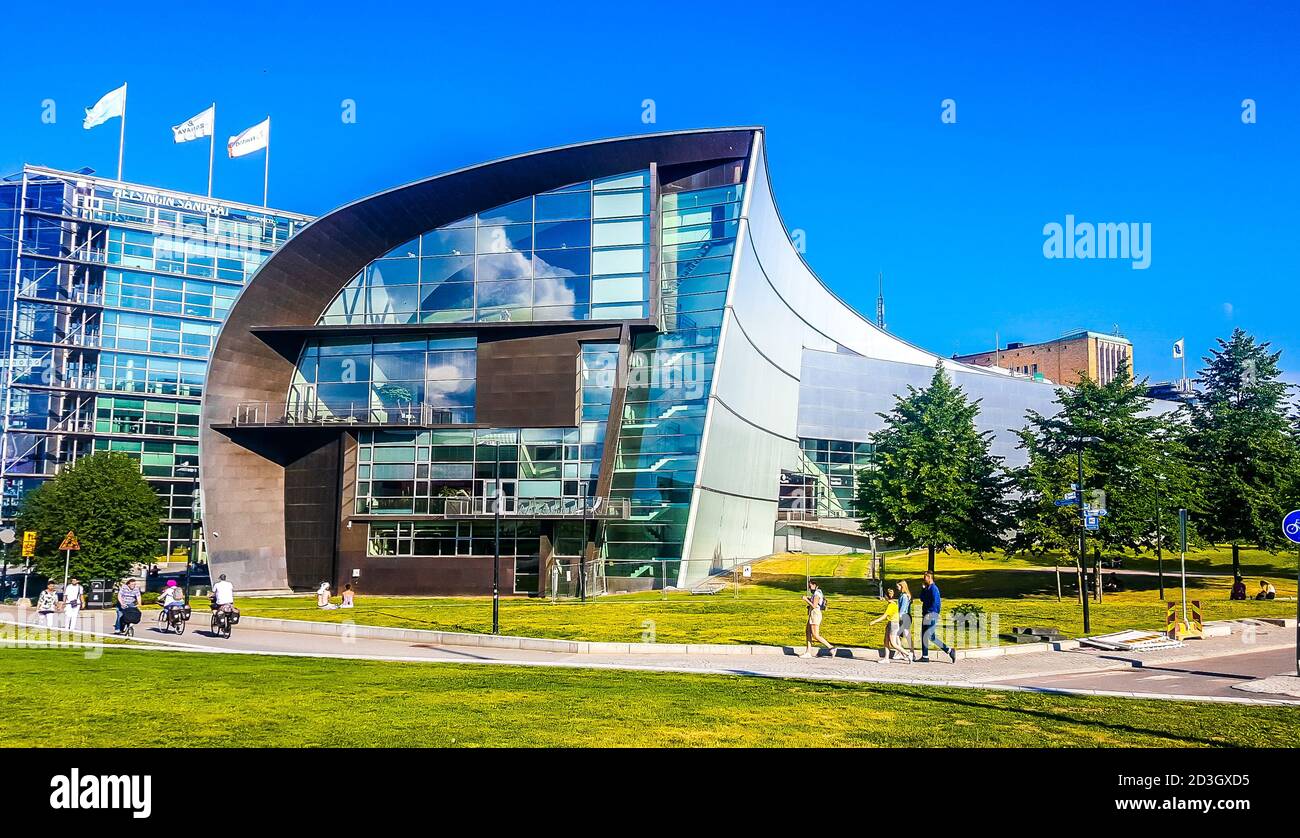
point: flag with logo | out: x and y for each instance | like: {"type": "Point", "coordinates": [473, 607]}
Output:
{"type": "Point", "coordinates": [111, 104]}
{"type": "Point", "coordinates": [1178, 348]}
{"type": "Point", "coordinates": [196, 127]}
{"type": "Point", "coordinates": [250, 139]}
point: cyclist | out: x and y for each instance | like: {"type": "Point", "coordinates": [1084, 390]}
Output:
{"type": "Point", "coordinates": [173, 597]}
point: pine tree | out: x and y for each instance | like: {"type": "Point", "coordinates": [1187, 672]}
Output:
{"type": "Point", "coordinates": [112, 509]}
{"type": "Point", "coordinates": [1137, 458]}
{"type": "Point", "coordinates": [1244, 445]}
{"type": "Point", "coordinates": [932, 481]}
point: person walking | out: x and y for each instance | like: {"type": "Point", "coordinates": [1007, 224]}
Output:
{"type": "Point", "coordinates": [904, 615]}
{"type": "Point", "coordinates": [74, 599]}
{"type": "Point", "coordinates": [891, 628]}
{"type": "Point", "coordinates": [128, 597]}
{"type": "Point", "coordinates": [47, 605]}
{"type": "Point", "coordinates": [816, 602]}
{"type": "Point", "coordinates": [931, 603]}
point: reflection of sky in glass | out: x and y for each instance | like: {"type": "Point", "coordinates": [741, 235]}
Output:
{"type": "Point", "coordinates": [531, 259]}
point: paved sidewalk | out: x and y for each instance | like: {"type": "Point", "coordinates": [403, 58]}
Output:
{"type": "Point", "coordinates": [1028, 671]}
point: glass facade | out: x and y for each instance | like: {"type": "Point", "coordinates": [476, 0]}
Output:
{"type": "Point", "coordinates": [400, 379]}
{"type": "Point", "coordinates": [825, 485]}
{"type": "Point", "coordinates": [577, 253]}
{"type": "Point", "coordinates": [596, 236]}
{"type": "Point", "coordinates": [113, 295]}
{"type": "Point", "coordinates": [669, 381]}
{"type": "Point", "coordinates": [542, 471]}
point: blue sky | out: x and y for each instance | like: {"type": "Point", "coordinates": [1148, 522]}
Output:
{"type": "Point", "coordinates": [1111, 112]}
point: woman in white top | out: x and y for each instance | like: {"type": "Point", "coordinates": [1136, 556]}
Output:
{"type": "Point", "coordinates": [74, 596]}
{"type": "Point", "coordinates": [816, 602]}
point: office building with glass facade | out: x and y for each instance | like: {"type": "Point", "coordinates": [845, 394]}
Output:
{"type": "Point", "coordinates": [611, 351]}
{"type": "Point", "coordinates": [111, 297]}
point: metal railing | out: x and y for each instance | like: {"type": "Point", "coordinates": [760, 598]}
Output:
{"type": "Point", "coordinates": [515, 507]}
{"type": "Point", "coordinates": [262, 414]}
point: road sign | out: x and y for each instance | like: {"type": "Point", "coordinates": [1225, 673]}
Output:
{"type": "Point", "coordinates": [1291, 526]}
{"type": "Point", "coordinates": [1067, 501]}
{"type": "Point", "coordinates": [1092, 522]}
{"type": "Point", "coordinates": [70, 542]}
{"type": "Point", "coordinates": [29, 544]}
{"type": "Point", "coordinates": [7, 536]}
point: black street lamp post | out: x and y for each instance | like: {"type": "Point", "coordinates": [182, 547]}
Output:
{"type": "Point", "coordinates": [496, 546]}
{"type": "Point", "coordinates": [1083, 535]}
{"type": "Point", "coordinates": [1160, 555]}
{"type": "Point", "coordinates": [191, 558]}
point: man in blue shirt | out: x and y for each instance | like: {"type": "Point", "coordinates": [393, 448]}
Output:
{"type": "Point", "coordinates": [931, 602]}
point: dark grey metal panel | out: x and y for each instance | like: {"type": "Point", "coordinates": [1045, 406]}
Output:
{"type": "Point", "coordinates": [244, 490]}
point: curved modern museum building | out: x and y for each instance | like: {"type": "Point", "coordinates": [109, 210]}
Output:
{"type": "Point", "coordinates": [609, 350]}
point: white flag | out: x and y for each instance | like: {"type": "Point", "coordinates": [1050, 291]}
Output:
{"type": "Point", "coordinates": [111, 104]}
{"type": "Point", "coordinates": [196, 127]}
{"type": "Point", "coordinates": [250, 139]}
{"type": "Point", "coordinates": [1178, 348]}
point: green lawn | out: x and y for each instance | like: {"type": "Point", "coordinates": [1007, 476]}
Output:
{"type": "Point", "coordinates": [768, 609]}
{"type": "Point", "coordinates": [240, 701]}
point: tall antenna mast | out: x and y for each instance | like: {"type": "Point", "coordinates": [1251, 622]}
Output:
{"type": "Point", "coordinates": [880, 301]}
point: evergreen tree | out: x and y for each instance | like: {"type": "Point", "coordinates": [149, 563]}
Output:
{"type": "Point", "coordinates": [1137, 458]}
{"type": "Point", "coordinates": [112, 509]}
{"type": "Point", "coordinates": [932, 481]}
{"type": "Point", "coordinates": [1244, 445]}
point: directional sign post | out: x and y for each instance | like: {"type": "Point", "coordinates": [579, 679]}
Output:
{"type": "Point", "coordinates": [69, 544]}
{"type": "Point", "coordinates": [1291, 529]}
{"type": "Point", "coordinates": [29, 550]}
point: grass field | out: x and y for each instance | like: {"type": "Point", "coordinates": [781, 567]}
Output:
{"type": "Point", "coordinates": [268, 701]}
{"type": "Point", "coordinates": [767, 608]}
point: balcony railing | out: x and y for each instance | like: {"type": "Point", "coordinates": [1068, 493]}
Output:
{"type": "Point", "coordinates": [515, 507]}
{"type": "Point", "coordinates": [263, 414]}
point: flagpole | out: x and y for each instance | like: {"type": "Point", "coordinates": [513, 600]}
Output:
{"type": "Point", "coordinates": [266, 174]}
{"type": "Point", "coordinates": [212, 144]}
{"type": "Point", "coordinates": [121, 137]}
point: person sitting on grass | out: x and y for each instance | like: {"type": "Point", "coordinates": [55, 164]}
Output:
{"type": "Point", "coordinates": [891, 615]}
{"type": "Point", "coordinates": [1238, 589]}
{"type": "Point", "coordinates": [348, 596]}
{"type": "Point", "coordinates": [1266, 591]}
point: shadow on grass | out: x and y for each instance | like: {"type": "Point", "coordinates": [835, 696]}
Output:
{"type": "Point", "coordinates": [925, 694]}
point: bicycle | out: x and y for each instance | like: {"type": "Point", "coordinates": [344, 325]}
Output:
{"type": "Point", "coordinates": [176, 618]}
{"type": "Point", "coordinates": [223, 617]}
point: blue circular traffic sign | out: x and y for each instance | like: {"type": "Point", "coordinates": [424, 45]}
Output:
{"type": "Point", "coordinates": [1291, 526]}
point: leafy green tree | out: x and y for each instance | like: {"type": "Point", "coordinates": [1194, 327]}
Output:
{"type": "Point", "coordinates": [112, 509]}
{"type": "Point", "coordinates": [1244, 445]}
{"type": "Point", "coordinates": [1137, 459]}
{"type": "Point", "coordinates": [932, 481]}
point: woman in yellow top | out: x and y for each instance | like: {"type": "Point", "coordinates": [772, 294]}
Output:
{"type": "Point", "coordinates": [891, 629]}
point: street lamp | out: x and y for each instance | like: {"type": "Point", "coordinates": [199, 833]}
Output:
{"type": "Point", "coordinates": [191, 558]}
{"type": "Point", "coordinates": [496, 543]}
{"type": "Point", "coordinates": [582, 557]}
{"type": "Point", "coordinates": [1083, 532]}
{"type": "Point", "coordinates": [1160, 556]}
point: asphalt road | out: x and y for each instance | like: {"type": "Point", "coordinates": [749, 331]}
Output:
{"type": "Point", "coordinates": [1213, 676]}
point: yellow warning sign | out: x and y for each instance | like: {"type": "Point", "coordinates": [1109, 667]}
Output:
{"type": "Point", "coordinates": [29, 544]}
{"type": "Point", "coordinates": [70, 542]}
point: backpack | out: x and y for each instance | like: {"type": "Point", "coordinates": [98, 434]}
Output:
{"type": "Point", "coordinates": [823, 602]}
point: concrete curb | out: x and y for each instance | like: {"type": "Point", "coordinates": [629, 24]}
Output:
{"type": "Point", "coordinates": [584, 647]}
